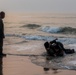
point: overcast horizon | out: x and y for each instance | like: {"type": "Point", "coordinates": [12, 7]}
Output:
{"type": "Point", "coordinates": [59, 6]}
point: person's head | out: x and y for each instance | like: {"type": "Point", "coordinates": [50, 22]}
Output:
{"type": "Point", "coordinates": [46, 44]}
{"type": "Point", "coordinates": [2, 15]}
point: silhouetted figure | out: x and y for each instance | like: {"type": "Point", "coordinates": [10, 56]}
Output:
{"type": "Point", "coordinates": [2, 16]}
{"type": "Point", "coordinates": [49, 49]}
{"type": "Point", "coordinates": [60, 48]}
{"type": "Point", "coordinates": [55, 48]}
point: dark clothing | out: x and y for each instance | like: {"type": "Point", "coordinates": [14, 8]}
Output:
{"type": "Point", "coordinates": [49, 49]}
{"type": "Point", "coordinates": [1, 45]}
{"type": "Point", "coordinates": [55, 48]}
{"type": "Point", "coordinates": [69, 51]}
{"type": "Point", "coordinates": [1, 35]}
{"type": "Point", "coordinates": [1, 29]}
{"type": "Point", "coordinates": [59, 46]}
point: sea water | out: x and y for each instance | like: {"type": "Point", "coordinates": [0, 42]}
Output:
{"type": "Point", "coordinates": [26, 33]}
{"type": "Point", "coordinates": [42, 26]}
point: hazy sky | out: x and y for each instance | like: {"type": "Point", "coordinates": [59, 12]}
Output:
{"type": "Point", "coordinates": [38, 5]}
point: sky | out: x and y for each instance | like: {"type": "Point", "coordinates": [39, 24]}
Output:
{"type": "Point", "coordinates": [63, 6]}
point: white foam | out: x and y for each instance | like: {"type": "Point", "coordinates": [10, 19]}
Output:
{"type": "Point", "coordinates": [72, 46]}
{"type": "Point", "coordinates": [38, 37]}
{"type": "Point", "coordinates": [51, 29]}
{"type": "Point", "coordinates": [47, 38]}
{"type": "Point", "coordinates": [26, 47]}
{"type": "Point", "coordinates": [33, 37]}
{"type": "Point", "coordinates": [72, 62]}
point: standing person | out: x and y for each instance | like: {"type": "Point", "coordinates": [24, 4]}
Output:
{"type": "Point", "coordinates": [2, 36]}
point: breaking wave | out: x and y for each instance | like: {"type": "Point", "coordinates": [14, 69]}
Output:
{"type": "Point", "coordinates": [44, 38]}
{"type": "Point", "coordinates": [62, 30]}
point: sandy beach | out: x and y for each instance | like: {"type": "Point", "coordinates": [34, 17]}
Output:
{"type": "Point", "coordinates": [21, 40]}
{"type": "Point", "coordinates": [21, 65]}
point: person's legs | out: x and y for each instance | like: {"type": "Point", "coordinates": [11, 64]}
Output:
{"type": "Point", "coordinates": [1, 46]}
{"type": "Point", "coordinates": [69, 51]}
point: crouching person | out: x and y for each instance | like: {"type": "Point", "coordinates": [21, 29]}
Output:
{"type": "Point", "coordinates": [59, 45]}
{"type": "Point", "coordinates": [55, 48]}
{"type": "Point", "coordinates": [52, 51]}
{"type": "Point", "coordinates": [49, 50]}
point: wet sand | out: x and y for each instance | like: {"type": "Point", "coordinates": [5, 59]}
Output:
{"type": "Point", "coordinates": [22, 65]}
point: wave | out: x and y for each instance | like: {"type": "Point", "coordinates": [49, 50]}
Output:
{"type": "Point", "coordinates": [31, 26]}
{"type": "Point", "coordinates": [32, 37]}
{"type": "Point", "coordinates": [62, 30]}
{"type": "Point", "coordinates": [44, 38]}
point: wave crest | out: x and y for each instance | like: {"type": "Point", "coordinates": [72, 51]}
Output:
{"type": "Point", "coordinates": [45, 38]}
{"type": "Point", "coordinates": [62, 30]}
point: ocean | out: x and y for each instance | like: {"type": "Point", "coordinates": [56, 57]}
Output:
{"type": "Point", "coordinates": [26, 33]}
{"type": "Point", "coordinates": [42, 26]}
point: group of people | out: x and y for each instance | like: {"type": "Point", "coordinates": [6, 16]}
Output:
{"type": "Point", "coordinates": [56, 48]}
{"type": "Point", "coordinates": [2, 36]}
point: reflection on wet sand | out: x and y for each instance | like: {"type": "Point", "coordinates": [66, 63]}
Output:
{"type": "Point", "coordinates": [46, 69]}
{"type": "Point", "coordinates": [22, 65]}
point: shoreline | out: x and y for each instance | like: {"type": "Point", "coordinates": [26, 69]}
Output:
{"type": "Point", "coordinates": [22, 65]}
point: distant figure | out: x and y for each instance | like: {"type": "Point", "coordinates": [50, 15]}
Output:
{"type": "Point", "coordinates": [2, 16]}
{"type": "Point", "coordinates": [55, 48]}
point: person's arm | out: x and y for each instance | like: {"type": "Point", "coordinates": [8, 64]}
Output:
{"type": "Point", "coordinates": [54, 41]}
